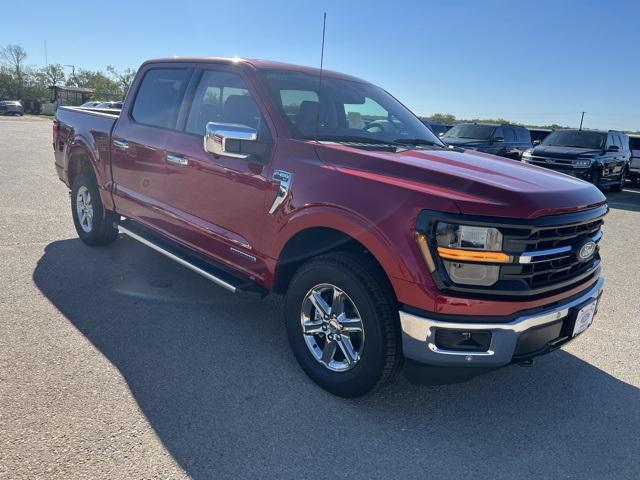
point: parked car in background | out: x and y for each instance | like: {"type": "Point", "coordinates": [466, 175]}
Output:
{"type": "Point", "coordinates": [389, 247]}
{"type": "Point", "coordinates": [504, 140]}
{"type": "Point", "coordinates": [11, 107]}
{"type": "Point", "coordinates": [109, 105]}
{"type": "Point", "coordinates": [539, 134]}
{"type": "Point", "coordinates": [634, 165]}
{"type": "Point", "coordinates": [90, 104]}
{"type": "Point", "coordinates": [599, 157]}
{"type": "Point", "coordinates": [438, 128]}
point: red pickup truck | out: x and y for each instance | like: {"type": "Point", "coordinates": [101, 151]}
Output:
{"type": "Point", "coordinates": [392, 249]}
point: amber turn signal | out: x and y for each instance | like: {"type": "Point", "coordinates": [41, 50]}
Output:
{"type": "Point", "coordinates": [473, 255]}
{"type": "Point", "coordinates": [426, 253]}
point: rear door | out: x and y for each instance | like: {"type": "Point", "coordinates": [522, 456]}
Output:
{"type": "Point", "coordinates": [138, 155]}
{"type": "Point", "coordinates": [611, 160]}
{"type": "Point", "coordinates": [634, 145]}
{"type": "Point", "coordinates": [219, 201]}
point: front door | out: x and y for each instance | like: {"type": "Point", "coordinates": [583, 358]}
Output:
{"type": "Point", "coordinates": [219, 201]}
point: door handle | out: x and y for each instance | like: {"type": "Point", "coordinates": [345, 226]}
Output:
{"type": "Point", "coordinates": [121, 144]}
{"type": "Point", "coordinates": [177, 160]}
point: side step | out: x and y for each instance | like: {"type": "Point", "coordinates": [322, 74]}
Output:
{"type": "Point", "coordinates": [243, 287]}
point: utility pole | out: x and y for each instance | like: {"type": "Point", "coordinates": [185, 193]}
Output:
{"type": "Point", "coordinates": [582, 120]}
{"type": "Point", "coordinates": [73, 73]}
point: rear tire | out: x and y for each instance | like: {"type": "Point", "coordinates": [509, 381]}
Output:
{"type": "Point", "coordinates": [93, 222]}
{"type": "Point", "coordinates": [368, 353]}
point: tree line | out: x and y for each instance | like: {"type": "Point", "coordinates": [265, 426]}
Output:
{"type": "Point", "coordinates": [20, 81]}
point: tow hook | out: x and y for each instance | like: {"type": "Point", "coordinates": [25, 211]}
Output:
{"type": "Point", "coordinates": [527, 363]}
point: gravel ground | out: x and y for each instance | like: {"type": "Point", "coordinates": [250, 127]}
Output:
{"type": "Point", "coordinates": [117, 363]}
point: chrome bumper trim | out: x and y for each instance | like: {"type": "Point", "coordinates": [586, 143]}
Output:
{"type": "Point", "coordinates": [418, 335]}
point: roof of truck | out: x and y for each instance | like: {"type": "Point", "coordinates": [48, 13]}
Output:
{"type": "Point", "coordinates": [258, 64]}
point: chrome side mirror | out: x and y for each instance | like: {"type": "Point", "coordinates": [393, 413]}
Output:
{"type": "Point", "coordinates": [226, 139]}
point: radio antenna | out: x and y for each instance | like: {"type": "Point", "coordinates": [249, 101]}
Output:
{"type": "Point", "coordinates": [324, 26]}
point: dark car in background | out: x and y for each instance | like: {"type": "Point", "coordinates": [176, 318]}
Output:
{"type": "Point", "coordinates": [438, 128]}
{"type": "Point", "coordinates": [599, 157]}
{"type": "Point", "coordinates": [634, 165]}
{"type": "Point", "coordinates": [11, 107]}
{"type": "Point", "coordinates": [504, 140]}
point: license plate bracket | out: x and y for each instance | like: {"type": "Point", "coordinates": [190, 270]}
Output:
{"type": "Point", "coordinates": [583, 316]}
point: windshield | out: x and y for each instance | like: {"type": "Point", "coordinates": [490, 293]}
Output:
{"type": "Point", "coordinates": [575, 138]}
{"type": "Point", "coordinates": [474, 132]}
{"type": "Point", "coordinates": [349, 111]}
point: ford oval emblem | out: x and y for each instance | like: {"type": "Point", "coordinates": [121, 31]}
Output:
{"type": "Point", "coordinates": [586, 251]}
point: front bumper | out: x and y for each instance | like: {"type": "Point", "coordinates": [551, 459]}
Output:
{"type": "Point", "coordinates": [506, 341]}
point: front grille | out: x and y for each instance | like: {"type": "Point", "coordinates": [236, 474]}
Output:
{"type": "Point", "coordinates": [551, 161]}
{"type": "Point", "coordinates": [545, 252]}
{"type": "Point", "coordinates": [561, 264]}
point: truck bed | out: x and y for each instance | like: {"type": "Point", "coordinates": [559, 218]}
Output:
{"type": "Point", "coordinates": [85, 132]}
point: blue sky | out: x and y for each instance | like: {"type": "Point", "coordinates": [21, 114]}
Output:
{"type": "Point", "coordinates": [529, 61]}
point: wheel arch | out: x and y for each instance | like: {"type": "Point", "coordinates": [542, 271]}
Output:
{"type": "Point", "coordinates": [313, 234]}
{"type": "Point", "coordinates": [83, 157]}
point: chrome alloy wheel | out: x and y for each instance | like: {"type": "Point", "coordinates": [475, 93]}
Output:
{"type": "Point", "coordinates": [332, 327]}
{"type": "Point", "coordinates": [84, 209]}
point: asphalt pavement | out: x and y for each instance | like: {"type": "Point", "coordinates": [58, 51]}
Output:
{"type": "Point", "coordinates": [117, 363]}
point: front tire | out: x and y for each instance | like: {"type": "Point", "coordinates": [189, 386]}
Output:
{"type": "Point", "coordinates": [342, 323]}
{"type": "Point", "coordinates": [618, 187]}
{"type": "Point", "coordinates": [93, 222]}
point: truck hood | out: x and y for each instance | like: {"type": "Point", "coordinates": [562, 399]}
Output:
{"type": "Point", "coordinates": [568, 153]}
{"type": "Point", "coordinates": [478, 183]}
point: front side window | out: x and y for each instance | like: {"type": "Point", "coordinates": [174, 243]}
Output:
{"type": "Point", "coordinates": [159, 97]}
{"type": "Point", "coordinates": [576, 139]}
{"type": "Point", "coordinates": [509, 134]}
{"type": "Point", "coordinates": [471, 132]}
{"type": "Point", "coordinates": [344, 110]}
{"type": "Point", "coordinates": [223, 97]}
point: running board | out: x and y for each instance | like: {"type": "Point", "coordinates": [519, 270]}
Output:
{"type": "Point", "coordinates": [243, 287]}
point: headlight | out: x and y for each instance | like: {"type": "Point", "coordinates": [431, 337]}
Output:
{"type": "Point", "coordinates": [449, 235]}
{"type": "Point", "coordinates": [471, 255]}
{"type": "Point", "coordinates": [583, 162]}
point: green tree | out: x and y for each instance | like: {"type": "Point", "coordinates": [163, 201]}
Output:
{"type": "Point", "coordinates": [52, 74]}
{"type": "Point", "coordinates": [122, 78]}
{"type": "Point", "coordinates": [14, 57]}
{"type": "Point", "coordinates": [445, 118]}
{"type": "Point", "coordinates": [105, 88]}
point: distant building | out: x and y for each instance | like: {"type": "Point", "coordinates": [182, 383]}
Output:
{"type": "Point", "coordinates": [66, 95]}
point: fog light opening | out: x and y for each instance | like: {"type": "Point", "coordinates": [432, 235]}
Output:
{"type": "Point", "coordinates": [463, 340]}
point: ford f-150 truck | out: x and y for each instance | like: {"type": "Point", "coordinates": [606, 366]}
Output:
{"type": "Point", "coordinates": [391, 249]}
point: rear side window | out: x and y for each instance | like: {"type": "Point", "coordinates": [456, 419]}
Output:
{"type": "Point", "coordinates": [523, 135]}
{"type": "Point", "coordinates": [159, 96]}
{"type": "Point", "coordinates": [625, 142]}
{"type": "Point", "coordinates": [634, 143]}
